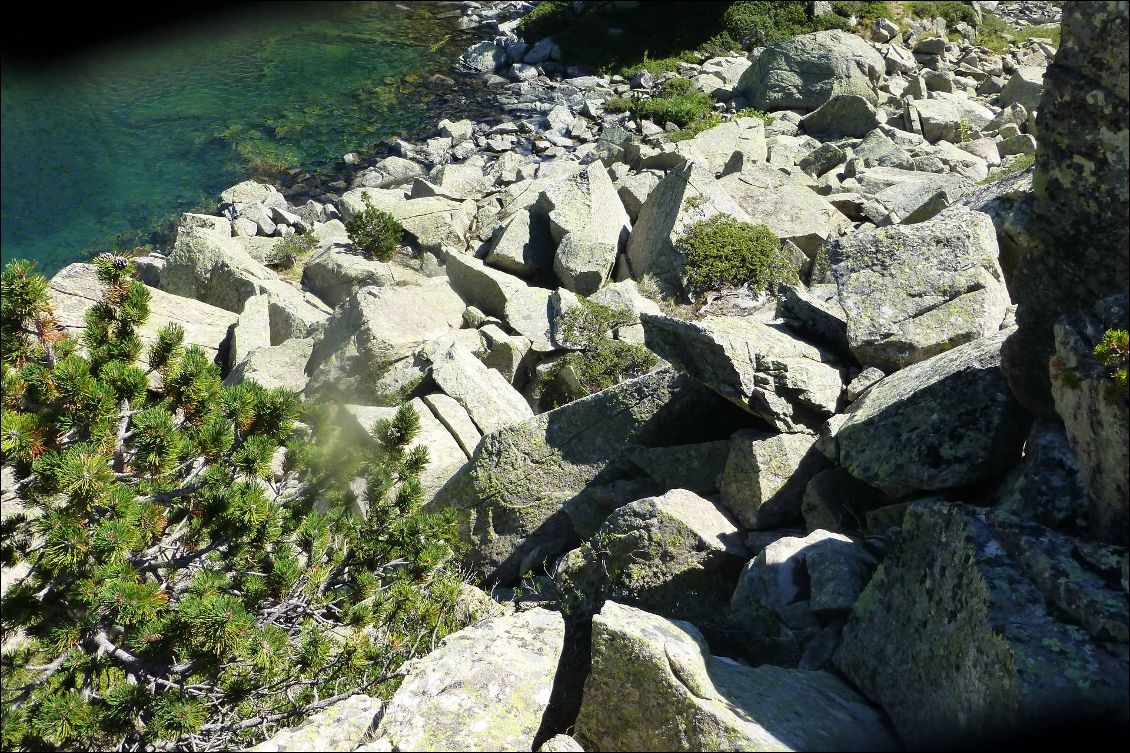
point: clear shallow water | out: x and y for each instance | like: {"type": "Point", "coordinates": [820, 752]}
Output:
{"type": "Point", "coordinates": [101, 149]}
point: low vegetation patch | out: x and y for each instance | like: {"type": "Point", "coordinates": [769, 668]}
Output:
{"type": "Point", "coordinates": [722, 252]}
{"type": "Point", "coordinates": [758, 23]}
{"type": "Point", "coordinates": [375, 232]}
{"type": "Point", "coordinates": [290, 249]}
{"type": "Point", "coordinates": [952, 11]}
{"type": "Point", "coordinates": [597, 361]}
{"type": "Point", "coordinates": [1021, 162]}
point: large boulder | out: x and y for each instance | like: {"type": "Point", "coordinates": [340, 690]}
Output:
{"type": "Point", "coordinates": [588, 222]}
{"type": "Point", "coordinates": [457, 182]}
{"type": "Point", "coordinates": [376, 327]}
{"type": "Point", "coordinates": [913, 291]}
{"type": "Point", "coordinates": [484, 57]}
{"type": "Point", "coordinates": [730, 147]}
{"type": "Point", "coordinates": [958, 646]}
{"type": "Point", "coordinates": [484, 393]}
{"type": "Point", "coordinates": [1024, 87]}
{"type": "Point", "coordinates": [75, 289]}
{"type": "Point", "coordinates": [822, 574]}
{"type": "Point", "coordinates": [522, 497]}
{"type": "Point", "coordinates": [521, 245]}
{"type": "Point", "coordinates": [942, 423]}
{"type": "Point", "coordinates": [1082, 186]}
{"type": "Point", "coordinates": [941, 119]}
{"type": "Point", "coordinates": [338, 270]}
{"type": "Point", "coordinates": [207, 264]}
{"type": "Point", "coordinates": [842, 115]}
{"type": "Point", "coordinates": [695, 467]}
{"type": "Point", "coordinates": [655, 686]}
{"type": "Point", "coordinates": [912, 201]}
{"type": "Point", "coordinates": [1008, 202]}
{"type": "Point", "coordinates": [765, 476]}
{"type": "Point", "coordinates": [792, 211]}
{"type": "Point", "coordinates": [1096, 416]}
{"type": "Point", "coordinates": [677, 555]}
{"type": "Point", "coordinates": [436, 222]}
{"type": "Point", "coordinates": [806, 71]}
{"type": "Point", "coordinates": [1047, 488]}
{"type": "Point", "coordinates": [483, 287]}
{"type": "Point", "coordinates": [791, 384]}
{"type": "Point", "coordinates": [486, 687]}
{"type": "Point", "coordinates": [686, 195]}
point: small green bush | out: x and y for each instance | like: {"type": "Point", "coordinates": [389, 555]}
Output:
{"type": "Point", "coordinates": [375, 232]}
{"type": "Point", "coordinates": [865, 10]}
{"type": "Point", "coordinates": [678, 102]}
{"type": "Point", "coordinates": [953, 11]}
{"type": "Point", "coordinates": [597, 361]}
{"type": "Point", "coordinates": [759, 22]}
{"type": "Point", "coordinates": [291, 248]}
{"type": "Point", "coordinates": [722, 252]}
{"type": "Point", "coordinates": [545, 20]}
{"type": "Point", "coordinates": [751, 112]}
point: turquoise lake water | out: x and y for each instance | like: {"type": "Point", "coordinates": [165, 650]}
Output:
{"type": "Point", "coordinates": [100, 149]}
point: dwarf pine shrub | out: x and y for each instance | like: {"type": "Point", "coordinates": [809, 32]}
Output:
{"type": "Point", "coordinates": [182, 582]}
{"type": "Point", "coordinates": [722, 252]}
{"type": "Point", "coordinates": [375, 232]}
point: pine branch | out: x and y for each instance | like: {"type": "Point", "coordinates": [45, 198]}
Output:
{"type": "Point", "coordinates": [135, 663]}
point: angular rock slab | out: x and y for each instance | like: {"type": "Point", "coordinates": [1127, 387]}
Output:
{"type": "Point", "coordinates": [789, 383]}
{"type": "Point", "coordinates": [806, 71]}
{"type": "Point", "coordinates": [842, 115]}
{"type": "Point", "coordinates": [731, 146]}
{"type": "Point", "coordinates": [956, 644]}
{"type": "Point", "coordinates": [792, 211]}
{"type": "Point", "coordinates": [282, 365]}
{"type": "Point", "coordinates": [484, 393]}
{"type": "Point", "coordinates": [1095, 417]}
{"type": "Point", "coordinates": [75, 289]}
{"type": "Point", "coordinates": [485, 688]}
{"type": "Point", "coordinates": [945, 422]}
{"type": "Point", "coordinates": [376, 327]}
{"type": "Point", "coordinates": [655, 686]}
{"type": "Point", "coordinates": [342, 726]}
{"type": "Point", "coordinates": [911, 292]}
{"type": "Point", "coordinates": [519, 495]}
{"type": "Point", "coordinates": [765, 477]}
{"type": "Point", "coordinates": [677, 555]}
{"type": "Point", "coordinates": [828, 570]}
